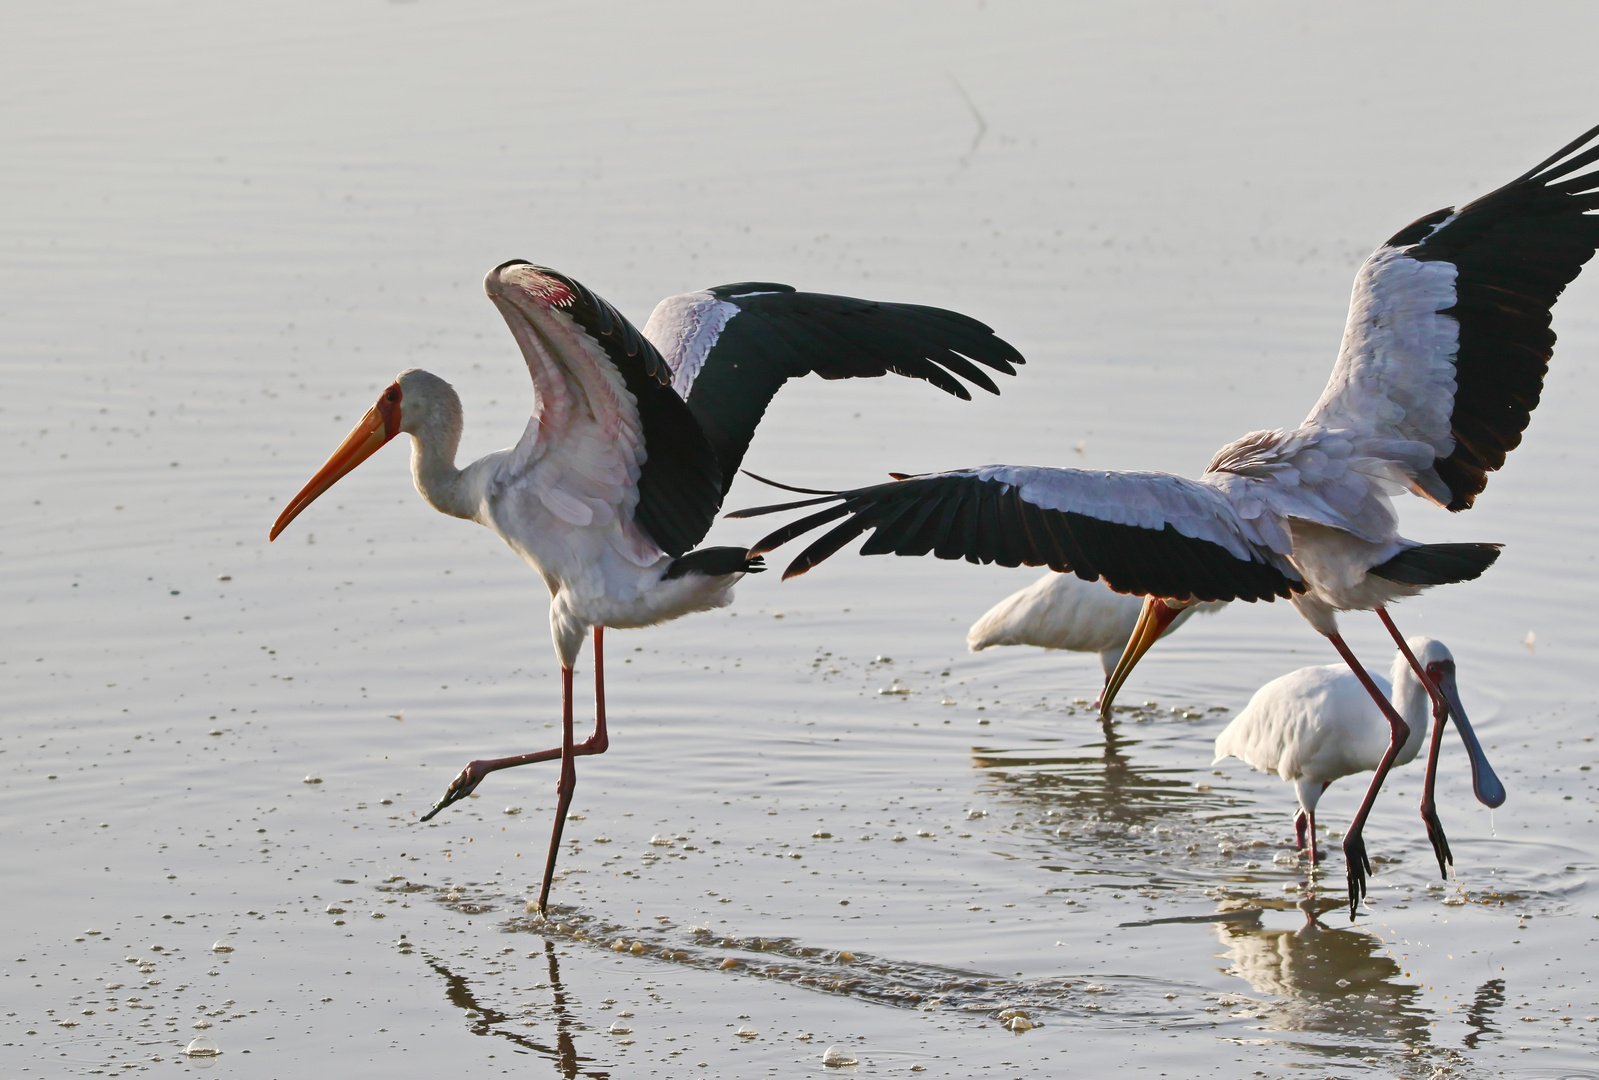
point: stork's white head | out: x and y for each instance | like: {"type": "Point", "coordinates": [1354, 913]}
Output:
{"type": "Point", "coordinates": [416, 402]}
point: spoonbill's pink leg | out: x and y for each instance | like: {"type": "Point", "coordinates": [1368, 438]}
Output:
{"type": "Point", "coordinates": [1356, 865]}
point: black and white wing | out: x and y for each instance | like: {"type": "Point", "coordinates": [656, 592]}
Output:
{"type": "Point", "coordinates": [730, 348]}
{"type": "Point", "coordinates": [587, 442]}
{"type": "Point", "coordinates": [1448, 336]}
{"type": "Point", "coordinates": [1148, 533]}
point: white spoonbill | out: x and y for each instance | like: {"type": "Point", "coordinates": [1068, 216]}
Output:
{"type": "Point", "coordinates": [1062, 611]}
{"type": "Point", "coordinates": [633, 442]}
{"type": "Point", "coordinates": [1317, 724]}
{"type": "Point", "coordinates": [1442, 363]}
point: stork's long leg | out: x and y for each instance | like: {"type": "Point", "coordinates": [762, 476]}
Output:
{"type": "Point", "coordinates": [597, 743]}
{"type": "Point", "coordinates": [1356, 865]}
{"type": "Point", "coordinates": [471, 776]}
{"type": "Point", "coordinates": [1440, 716]}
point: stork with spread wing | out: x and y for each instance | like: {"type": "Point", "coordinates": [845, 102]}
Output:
{"type": "Point", "coordinates": [1442, 363]}
{"type": "Point", "coordinates": [634, 440]}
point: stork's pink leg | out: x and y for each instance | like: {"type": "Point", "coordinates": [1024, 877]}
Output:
{"type": "Point", "coordinates": [1440, 717]}
{"type": "Point", "coordinates": [1356, 865]}
{"type": "Point", "coordinates": [598, 743]}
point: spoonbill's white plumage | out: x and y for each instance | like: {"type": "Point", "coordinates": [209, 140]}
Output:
{"type": "Point", "coordinates": [1063, 611]}
{"type": "Point", "coordinates": [634, 440]}
{"type": "Point", "coordinates": [1317, 724]}
{"type": "Point", "coordinates": [1442, 363]}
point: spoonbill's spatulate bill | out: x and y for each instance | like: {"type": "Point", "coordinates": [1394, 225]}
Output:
{"type": "Point", "coordinates": [1317, 724]}
{"type": "Point", "coordinates": [1062, 611]}
{"type": "Point", "coordinates": [1442, 363]}
{"type": "Point", "coordinates": [634, 440]}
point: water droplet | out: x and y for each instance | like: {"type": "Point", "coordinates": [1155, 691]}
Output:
{"type": "Point", "coordinates": [1019, 1024]}
{"type": "Point", "coordinates": [837, 1057]}
{"type": "Point", "coordinates": [513, 810]}
{"type": "Point", "coordinates": [602, 839]}
{"type": "Point", "coordinates": [221, 946]}
{"type": "Point", "coordinates": [312, 780]}
{"type": "Point", "coordinates": [201, 1025]}
{"type": "Point", "coordinates": [898, 839]}
{"type": "Point", "coordinates": [334, 909]}
{"type": "Point", "coordinates": [661, 841]}
{"type": "Point", "coordinates": [620, 1028]}
{"type": "Point", "coordinates": [1093, 988]}
{"type": "Point", "coordinates": [821, 834]}
{"type": "Point", "coordinates": [924, 832]}
{"type": "Point", "coordinates": [846, 957]}
{"type": "Point", "coordinates": [746, 1032]}
{"type": "Point", "coordinates": [202, 1046]}
{"type": "Point", "coordinates": [639, 948]}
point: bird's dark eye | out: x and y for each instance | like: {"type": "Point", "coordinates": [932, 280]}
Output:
{"type": "Point", "coordinates": [392, 396]}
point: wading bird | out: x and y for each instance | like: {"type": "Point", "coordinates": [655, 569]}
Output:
{"type": "Point", "coordinates": [634, 440]}
{"type": "Point", "coordinates": [1062, 611]}
{"type": "Point", "coordinates": [1314, 725]}
{"type": "Point", "coordinates": [1442, 363]}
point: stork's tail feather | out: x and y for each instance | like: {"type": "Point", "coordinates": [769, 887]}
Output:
{"type": "Point", "coordinates": [715, 561]}
{"type": "Point", "coordinates": [1438, 564]}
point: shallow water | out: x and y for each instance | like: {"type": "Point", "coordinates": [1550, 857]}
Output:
{"type": "Point", "coordinates": [231, 228]}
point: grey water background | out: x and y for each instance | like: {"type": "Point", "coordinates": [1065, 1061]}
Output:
{"type": "Point", "coordinates": [227, 226]}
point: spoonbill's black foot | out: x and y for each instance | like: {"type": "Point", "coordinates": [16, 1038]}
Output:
{"type": "Point", "coordinates": [1440, 842]}
{"type": "Point", "coordinates": [1357, 867]}
{"type": "Point", "coordinates": [461, 786]}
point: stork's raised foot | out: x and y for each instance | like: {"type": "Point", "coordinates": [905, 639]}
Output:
{"type": "Point", "coordinates": [1357, 868]}
{"type": "Point", "coordinates": [1440, 842]}
{"type": "Point", "coordinates": [462, 785]}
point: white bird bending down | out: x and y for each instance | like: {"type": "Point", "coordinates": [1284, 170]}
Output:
{"type": "Point", "coordinates": [1062, 611]}
{"type": "Point", "coordinates": [1442, 363]}
{"type": "Point", "coordinates": [1314, 725]}
{"type": "Point", "coordinates": [633, 442]}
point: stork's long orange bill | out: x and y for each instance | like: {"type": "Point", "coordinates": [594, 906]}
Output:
{"type": "Point", "coordinates": [1153, 621]}
{"type": "Point", "coordinates": [380, 424]}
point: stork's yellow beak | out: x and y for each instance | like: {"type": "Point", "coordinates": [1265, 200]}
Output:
{"type": "Point", "coordinates": [1153, 621]}
{"type": "Point", "coordinates": [380, 424]}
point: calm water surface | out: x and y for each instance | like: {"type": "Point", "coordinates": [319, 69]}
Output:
{"type": "Point", "coordinates": [230, 226]}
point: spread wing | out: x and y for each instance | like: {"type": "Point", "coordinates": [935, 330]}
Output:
{"type": "Point", "coordinates": [1149, 533]}
{"type": "Point", "coordinates": [732, 347]}
{"type": "Point", "coordinates": [1448, 336]}
{"type": "Point", "coordinates": [608, 432]}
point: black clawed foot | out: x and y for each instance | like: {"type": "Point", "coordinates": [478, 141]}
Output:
{"type": "Point", "coordinates": [1357, 867]}
{"type": "Point", "coordinates": [1440, 842]}
{"type": "Point", "coordinates": [460, 787]}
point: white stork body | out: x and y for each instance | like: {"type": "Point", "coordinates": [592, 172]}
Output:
{"type": "Point", "coordinates": [1442, 363]}
{"type": "Point", "coordinates": [1062, 611]}
{"type": "Point", "coordinates": [633, 441]}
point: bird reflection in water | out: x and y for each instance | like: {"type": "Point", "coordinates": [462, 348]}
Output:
{"type": "Point", "coordinates": [487, 1020]}
{"type": "Point", "coordinates": [1094, 801]}
{"type": "Point", "coordinates": [1335, 982]}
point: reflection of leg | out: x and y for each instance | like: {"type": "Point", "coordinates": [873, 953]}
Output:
{"type": "Point", "coordinates": [1440, 714]}
{"type": "Point", "coordinates": [1356, 864]}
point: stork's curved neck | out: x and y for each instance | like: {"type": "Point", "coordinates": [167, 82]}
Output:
{"type": "Point", "coordinates": [432, 417]}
